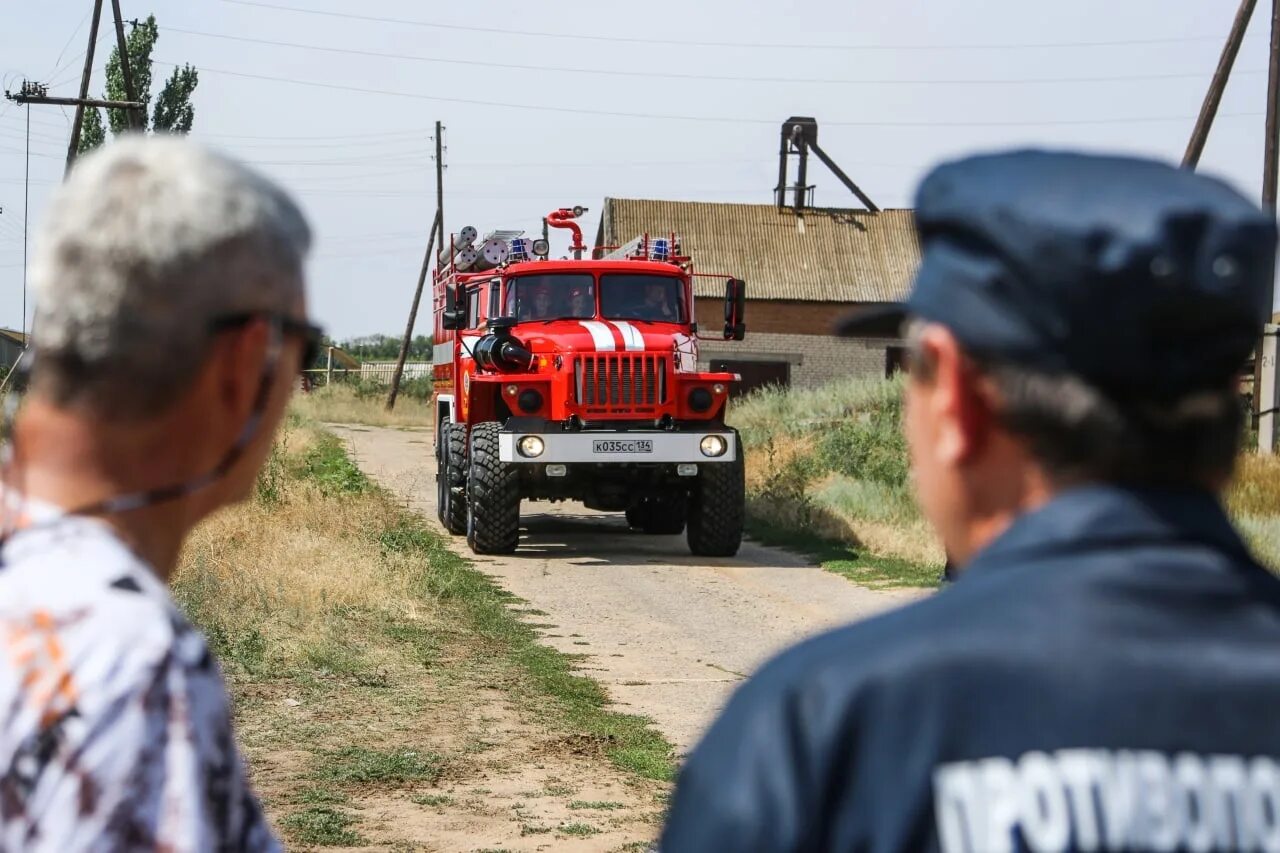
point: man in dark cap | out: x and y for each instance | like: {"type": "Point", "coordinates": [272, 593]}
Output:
{"type": "Point", "coordinates": [1105, 672]}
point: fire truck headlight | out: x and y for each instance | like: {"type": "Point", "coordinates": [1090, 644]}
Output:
{"type": "Point", "coordinates": [531, 446]}
{"type": "Point", "coordinates": [530, 400]}
{"type": "Point", "coordinates": [512, 389]}
{"type": "Point", "coordinates": [713, 445]}
{"type": "Point", "coordinates": [700, 399]}
{"type": "Point", "coordinates": [718, 389]}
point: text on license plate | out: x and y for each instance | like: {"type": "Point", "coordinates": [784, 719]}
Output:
{"type": "Point", "coordinates": [614, 446]}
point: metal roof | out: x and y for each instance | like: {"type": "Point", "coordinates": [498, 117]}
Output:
{"type": "Point", "coordinates": [824, 255]}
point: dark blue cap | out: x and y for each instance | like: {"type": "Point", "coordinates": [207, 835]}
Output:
{"type": "Point", "coordinates": [1139, 277]}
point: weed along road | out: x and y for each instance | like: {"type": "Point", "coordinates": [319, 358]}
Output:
{"type": "Point", "coordinates": [668, 634]}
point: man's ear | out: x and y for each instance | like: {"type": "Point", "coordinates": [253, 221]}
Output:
{"type": "Point", "coordinates": [961, 403]}
{"type": "Point", "coordinates": [241, 353]}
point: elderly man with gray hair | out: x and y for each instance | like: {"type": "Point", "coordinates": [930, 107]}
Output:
{"type": "Point", "coordinates": [170, 323]}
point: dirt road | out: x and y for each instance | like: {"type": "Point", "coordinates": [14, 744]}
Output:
{"type": "Point", "coordinates": [669, 634]}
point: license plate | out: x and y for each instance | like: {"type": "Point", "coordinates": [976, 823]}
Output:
{"type": "Point", "coordinates": [614, 446]}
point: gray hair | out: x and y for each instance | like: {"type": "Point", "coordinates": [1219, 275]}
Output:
{"type": "Point", "coordinates": [1079, 433]}
{"type": "Point", "coordinates": [147, 243]}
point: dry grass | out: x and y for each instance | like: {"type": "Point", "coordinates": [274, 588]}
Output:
{"type": "Point", "coordinates": [1256, 487]}
{"type": "Point", "coordinates": [829, 462]}
{"type": "Point", "coordinates": [283, 571]}
{"type": "Point", "coordinates": [1254, 501]}
{"type": "Point", "coordinates": [343, 404]}
{"type": "Point", "coordinates": [376, 673]}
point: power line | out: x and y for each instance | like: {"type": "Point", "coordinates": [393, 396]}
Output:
{"type": "Point", "coordinates": [288, 139]}
{"type": "Point", "coordinates": [57, 62]}
{"type": "Point", "coordinates": [40, 121]}
{"type": "Point", "coordinates": [406, 157]}
{"type": "Point", "coordinates": [33, 153]}
{"type": "Point", "coordinates": [647, 74]}
{"type": "Point", "coordinates": [732, 44]}
{"type": "Point", "coordinates": [705, 119]}
{"type": "Point", "coordinates": [39, 137]}
{"type": "Point", "coordinates": [73, 60]}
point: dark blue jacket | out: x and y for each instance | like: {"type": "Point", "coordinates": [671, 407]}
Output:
{"type": "Point", "coordinates": [1105, 675]}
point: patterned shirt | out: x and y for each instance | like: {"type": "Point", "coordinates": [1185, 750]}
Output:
{"type": "Point", "coordinates": [115, 730]}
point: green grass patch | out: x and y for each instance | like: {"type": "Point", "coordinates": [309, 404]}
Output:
{"type": "Point", "coordinates": [843, 559]}
{"type": "Point", "coordinates": [355, 765]}
{"type": "Point", "coordinates": [320, 796]}
{"type": "Point", "coordinates": [321, 825]}
{"type": "Point", "coordinates": [432, 800]}
{"type": "Point", "coordinates": [327, 465]}
{"type": "Point", "coordinates": [598, 805]}
{"type": "Point", "coordinates": [580, 830]}
{"type": "Point", "coordinates": [630, 741]}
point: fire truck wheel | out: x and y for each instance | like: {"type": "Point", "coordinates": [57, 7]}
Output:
{"type": "Point", "coordinates": [659, 516]}
{"type": "Point", "coordinates": [717, 507]}
{"type": "Point", "coordinates": [450, 473]}
{"type": "Point", "coordinates": [493, 495]}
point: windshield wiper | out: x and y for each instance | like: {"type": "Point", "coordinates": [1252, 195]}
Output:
{"type": "Point", "coordinates": [569, 317]}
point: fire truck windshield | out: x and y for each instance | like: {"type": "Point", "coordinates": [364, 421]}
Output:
{"type": "Point", "coordinates": [559, 296]}
{"type": "Point", "coordinates": [628, 296]}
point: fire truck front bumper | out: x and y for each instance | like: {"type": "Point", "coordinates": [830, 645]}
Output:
{"type": "Point", "coordinates": [632, 446]}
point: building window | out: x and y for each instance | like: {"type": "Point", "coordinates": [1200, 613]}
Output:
{"type": "Point", "coordinates": [895, 361]}
{"type": "Point", "coordinates": [755, 374]}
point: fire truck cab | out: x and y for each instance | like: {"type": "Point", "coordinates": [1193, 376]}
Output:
{"type": "Point", "coordinates": [577, 379]}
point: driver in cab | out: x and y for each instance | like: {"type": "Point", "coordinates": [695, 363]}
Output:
{"type": "Point", "coordinates": [655, 304]}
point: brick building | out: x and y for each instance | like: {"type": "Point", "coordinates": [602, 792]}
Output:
{"type": "Point", "coordinates": [802, 272]}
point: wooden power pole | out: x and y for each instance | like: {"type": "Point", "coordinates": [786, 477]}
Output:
{"type": "Point", "coordinates": [413, 315]}
{"type": "Point", "coordinates": [137, 120]}
{"type": "Point", "coordinates": [73, 147]}
{"type": "Point", "coordinates": [1266, 381]}
{"type": "Point", "coordinates": [440, 182]}
{"type": "Point", "coordinates": [437, 230]}
{"type": "Point", "coordinates": [133, 108]}
{"type": "Point", "coordinates": [1209, 110]}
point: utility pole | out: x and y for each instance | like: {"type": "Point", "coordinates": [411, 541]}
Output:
{"type": "Point", "coordinates": [26, 205]}
{"type": "Point", "coordinates": [440, 182]}
{"type": "Point", "coordinates": [413, 316]}
{"type": "Point", "coordinates": [1212, 98]}
{"type": "Point", "coordinates": [1273, 91]}
{"type": "Point", "coordinates": [37, 93]}
{"type": "Point", "coordinates": [1266, 380]}
{"type": "Point", "coordinates": [1266, 386]}
{"type": "Point", "coordinates": [437, 230]}
{"type": "Point", "coordinates": [137, 120]}
{"type": "Point", "coordinates": [73, 147]}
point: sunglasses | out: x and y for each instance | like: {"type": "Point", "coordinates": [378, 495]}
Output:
{"type": "Point", "coordinates": [312, 336]}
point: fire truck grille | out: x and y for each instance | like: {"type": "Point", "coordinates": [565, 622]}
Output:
{"type": "Point", "coordinates": [621, 380]}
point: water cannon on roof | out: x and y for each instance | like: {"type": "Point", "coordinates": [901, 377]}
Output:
{"type": "Point", "coordinates": [564, 218]}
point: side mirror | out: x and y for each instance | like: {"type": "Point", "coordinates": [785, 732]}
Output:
{"type": "Point", "coordinates": [735, 309]}
{"type": "Point", "coordinates": [455, 315]}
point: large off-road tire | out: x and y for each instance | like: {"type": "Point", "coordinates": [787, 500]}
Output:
{"type": "Point", "coordinates": [451, 475]}
{"type": "Point", "coordinates": [717, 507]}
{"type": "Point", "coordinates": [493, 495]}
{"type": "Point", "coordinates": [659, 516]}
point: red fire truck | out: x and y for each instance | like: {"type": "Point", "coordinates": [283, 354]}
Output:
{"type": "Point", "coordinates": [577, 379]}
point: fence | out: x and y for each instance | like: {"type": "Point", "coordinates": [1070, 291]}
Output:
{"type": "Point", "coordinates": [381, 371]}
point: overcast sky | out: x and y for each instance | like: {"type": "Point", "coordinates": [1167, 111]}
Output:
{"type": "Point", "coordinates": [664, 99]}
